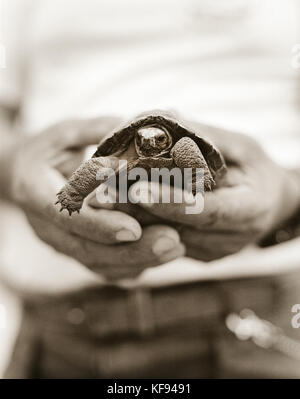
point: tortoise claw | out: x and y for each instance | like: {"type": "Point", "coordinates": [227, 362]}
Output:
{"type": "Point", "coordinates": [69, 207]}
{"type": "Point", "coordinates": [67, 202]}
{"type": "Point", "coordinates": [70, 211]}
{"type": "Point", "coordinates": [208, 186]}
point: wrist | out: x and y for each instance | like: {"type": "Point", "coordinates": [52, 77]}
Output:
{"type": "Point", "coordinates": [9, 142]}
{"type": "Point", "coordinates": [286, 222]}
{"type": "Point", "coordinates": [7, 157]}
{"type": "Point", "coordinates": [290, 203]}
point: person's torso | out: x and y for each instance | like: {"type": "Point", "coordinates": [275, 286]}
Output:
{"type": "Point", "coordinates": [227, 64]}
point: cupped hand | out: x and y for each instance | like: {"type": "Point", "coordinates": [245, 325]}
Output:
{"type": "Point", "coordinates": [109, 242]}
{"type": "Point", "coordinates": [254, 197]}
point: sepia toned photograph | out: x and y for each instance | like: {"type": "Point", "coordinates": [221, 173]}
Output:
{"type": "Point", "coordinates": [149, 192]}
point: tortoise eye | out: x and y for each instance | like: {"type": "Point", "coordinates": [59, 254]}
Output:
{"type": "Point", "coordinates": [161, 139]}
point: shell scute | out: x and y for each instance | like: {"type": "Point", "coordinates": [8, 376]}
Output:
{"type": "Point", "coordinates": [119, 140]}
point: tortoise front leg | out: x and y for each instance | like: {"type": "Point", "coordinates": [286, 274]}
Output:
{"type": "Point", "coordinates": [82, 182]}
{"type": "Point", "coordinates": [187, 154]}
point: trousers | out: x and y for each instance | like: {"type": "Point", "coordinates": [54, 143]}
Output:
{"type": "Point", "coordinates": [179, 331]}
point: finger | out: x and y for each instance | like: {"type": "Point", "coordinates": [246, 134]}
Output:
{"type": "Point", "coordinates": [101, 226]}
{"type": "Point", "coordinates": [141, 215]}
{"type": "Point", "coordinates": [226, 206]}
{"type": "Point", "coordinates": [222, 207]}
{"type": "Point", "coordinates": [68, 163]}
{"type": "Point", "coordinates": [244, 149]}
{"type": "Point", "coordinates": [74, 157]}
{"type": "Point", "coordinates": [208, 245]}
{"type": "Point", "coordinates": [79, 133]}
{"type": "Point", "coordinates": [69, 135]}
{"type": "Point", "coordinates": [159, 244]}
{"type": "Point", "coordinates": [234, 177]}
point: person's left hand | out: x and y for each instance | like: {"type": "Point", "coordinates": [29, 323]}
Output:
{"type": "Point", "coordinates": [254, 197]}
{"type": "Point", "coordinates": [205, 241]}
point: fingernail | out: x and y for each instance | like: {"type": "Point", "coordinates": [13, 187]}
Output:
{"type": "Point", "coordinates": [162, 245]}
{"type": "Point", "coordinates": [125, 235]}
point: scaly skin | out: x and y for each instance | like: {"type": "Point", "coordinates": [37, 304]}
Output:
{"type": "Point", "coordinates": [82, 182]}
{"type": "Point", "coordinates": [184, 154]}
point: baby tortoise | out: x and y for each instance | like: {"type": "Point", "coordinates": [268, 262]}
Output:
{"type": "Point", "coordinates": [152, 140]}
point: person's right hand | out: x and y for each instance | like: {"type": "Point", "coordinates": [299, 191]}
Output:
{"type": "Point", "coordinates": [108, 242]}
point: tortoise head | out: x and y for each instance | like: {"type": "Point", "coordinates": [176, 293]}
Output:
{"type": "Point", "coordinates": [151, 141]}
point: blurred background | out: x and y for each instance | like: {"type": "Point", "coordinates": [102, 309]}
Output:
{"type": "Point", "coordinates": [229, 63]}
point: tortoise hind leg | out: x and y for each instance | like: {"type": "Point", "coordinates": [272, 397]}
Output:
{"type": "Point", "coordinates": [83, 181]}
{"type": "Point", "coordinates": [187, 154]}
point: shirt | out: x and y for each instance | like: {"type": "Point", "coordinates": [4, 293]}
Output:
{"type": "Point", "coordinates": [227, 64]}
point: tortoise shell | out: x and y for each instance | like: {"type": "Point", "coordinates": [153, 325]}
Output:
{"type": "Point", "coordinates": [118, 141]}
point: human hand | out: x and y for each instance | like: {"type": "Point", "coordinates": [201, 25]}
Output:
{"type": "Point", "coordinates": [255, 196]}
{"type": "Point", "coordinates": [109, 242]}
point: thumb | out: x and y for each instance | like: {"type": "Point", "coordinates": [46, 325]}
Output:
{"type": "Point", "coordinates": [92, 130]}
{"type": "Point", "coordinates": [74, 134]}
